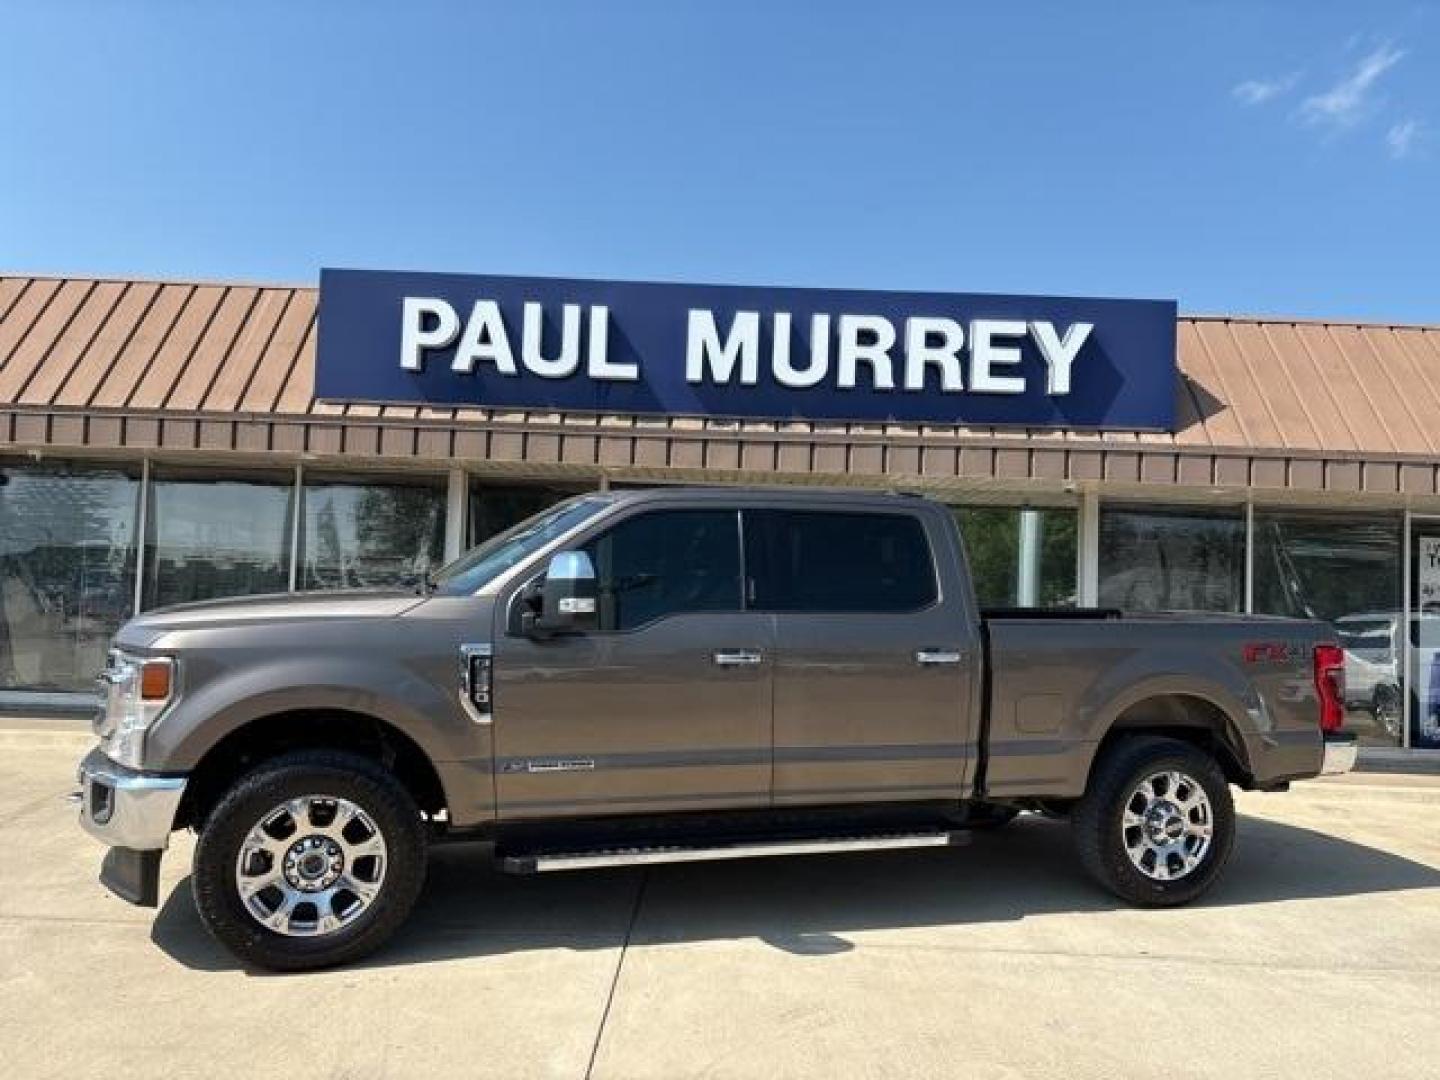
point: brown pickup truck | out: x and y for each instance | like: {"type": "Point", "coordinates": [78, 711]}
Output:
{"type": "Point", "coordinates": [656, 676]}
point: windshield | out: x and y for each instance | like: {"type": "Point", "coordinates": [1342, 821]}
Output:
{"type": "Point", "coordinates": [481, 565]}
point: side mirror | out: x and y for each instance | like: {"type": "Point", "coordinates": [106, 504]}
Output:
{"type": "Point", "coordinates": [566, 600]}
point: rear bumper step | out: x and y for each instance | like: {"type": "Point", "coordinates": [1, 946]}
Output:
{"type": "Point", "coordinates": [545, 862]}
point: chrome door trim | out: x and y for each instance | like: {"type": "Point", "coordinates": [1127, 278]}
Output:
{"type": "Point", "coordinates": [738, 657]}
{"type": "Point", "coordinates": [932, 657]}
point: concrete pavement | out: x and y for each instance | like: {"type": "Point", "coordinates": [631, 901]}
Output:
{"type": "Point", "coordinates": [1317, 956]}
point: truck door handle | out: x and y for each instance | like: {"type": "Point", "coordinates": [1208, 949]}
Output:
{"type": "Point", "coordinates": [737, 657]}
{"type": "Point", "coordinates": [931, 657]}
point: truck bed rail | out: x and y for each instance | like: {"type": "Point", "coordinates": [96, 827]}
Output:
{"type": "Point", "coordinates": [1074, 613]}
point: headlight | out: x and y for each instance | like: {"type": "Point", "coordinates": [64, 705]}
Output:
{"type": "Point", "coordinates": [136, 691]}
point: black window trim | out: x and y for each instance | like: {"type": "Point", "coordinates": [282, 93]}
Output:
{"type": "Point", "coordinates": [742, 509]}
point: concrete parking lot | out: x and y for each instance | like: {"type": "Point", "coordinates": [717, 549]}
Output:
{"type": "Point", "coordinates": [1319, 955]}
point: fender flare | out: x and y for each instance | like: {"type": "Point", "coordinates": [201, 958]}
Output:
{"type": "Point", "coordinates": [382, 692]}
{"type": "Point", "coordinates": [1232, 698]}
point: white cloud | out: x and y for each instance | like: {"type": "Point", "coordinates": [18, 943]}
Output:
{"type": "Point", "coordinates": [1401, 138]}
{"type": "Point", "coordinates": [1348, 100]}
{"type": "Point", "coordinates": [1259, 91]}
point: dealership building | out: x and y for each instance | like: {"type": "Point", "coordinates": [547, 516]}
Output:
{"type": "Point", "coordinates": [163, 442]}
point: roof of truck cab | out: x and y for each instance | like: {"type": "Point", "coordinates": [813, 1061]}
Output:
{"type": "Point", "coordinates": [797, 494]}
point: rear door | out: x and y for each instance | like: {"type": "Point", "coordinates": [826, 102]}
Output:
{"type": "Point", "coordinates": [666, 706]}
{"type": "Point", "coordinates": [874, 662]}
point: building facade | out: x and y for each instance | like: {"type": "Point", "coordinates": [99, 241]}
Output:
{"type": "Point", "coordinates": [162, 442]}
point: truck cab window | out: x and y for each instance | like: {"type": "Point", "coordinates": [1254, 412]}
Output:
{"type": "Point", "coordinates": [802, 560]}
{"type": "Point", "coordinates": [667, 563]}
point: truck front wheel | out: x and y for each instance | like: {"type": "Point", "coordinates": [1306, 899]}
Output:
{"type": "Point", "coordinates": [1157, 823]}
{"type": "Point", "coordinates": [315, 858]}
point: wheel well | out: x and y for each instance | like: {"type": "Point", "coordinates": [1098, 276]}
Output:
{"type": "Point", "coordinates": [1190, 719]}
{"type": "Point", "coordinates": [330, 729]}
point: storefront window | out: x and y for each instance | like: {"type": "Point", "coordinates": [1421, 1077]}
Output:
{"type": "Point", "coordinates": [67, 572]}
{"type": "Point", "coordinates": [1020, 558]}
{"type": "Point", "coordinates": [370, 534]}
{"type": "Point", "coordinates": [1346, 571]}
{"type": "Point", "coordinates": [495, 507]}
{"type": "Point", "coordinates": [1172, 560]}
{"type": "Point", "coordinates": [208, 537]}
{"type": "Point", "coordinates": [1424, 631]}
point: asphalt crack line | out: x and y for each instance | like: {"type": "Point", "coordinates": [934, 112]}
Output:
{"type": "Point", "coordinates": [1281, 967]}
{"type": "Point", "coordinates": [11, 814]}
{"type": "Point", "coordinates": [619, 965]}
{"type": "Point", "coordinates": [23, 918]}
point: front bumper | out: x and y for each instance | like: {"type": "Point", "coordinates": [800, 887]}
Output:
{"type": "Point", "coordinates": [1340, 754]}
{"type": "Point", "coordinates": [125, 808]}
{"type": "Point", "coordinates": [134, 813]}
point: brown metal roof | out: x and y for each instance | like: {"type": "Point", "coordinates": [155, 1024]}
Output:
{"type": "Point", "coordinates": [106, 364]}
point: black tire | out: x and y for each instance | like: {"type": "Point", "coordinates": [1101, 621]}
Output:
{"type": "Point", "coordinates": [1100, 836]}
{"type": "Point", "coordinates": [312, 772]}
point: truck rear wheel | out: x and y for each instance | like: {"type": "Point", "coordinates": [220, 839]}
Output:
{"type": "Point", "coordinates": [313, 859]}
{"type": "Point", "coordinates": [1157, 823]}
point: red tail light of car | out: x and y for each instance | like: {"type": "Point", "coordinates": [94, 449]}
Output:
{"type": "Point", "coordinates": [1330, 686]}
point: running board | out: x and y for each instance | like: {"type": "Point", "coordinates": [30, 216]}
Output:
{"type": "Point", "coordinates": [647, 856]}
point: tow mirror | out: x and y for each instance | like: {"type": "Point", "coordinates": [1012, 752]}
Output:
{"type": "Point", "coordinates": [565, 599]}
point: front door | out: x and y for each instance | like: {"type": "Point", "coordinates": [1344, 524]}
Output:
{"type": "Point", "coordinates": [873, 666]}
{"type": "Point", "coordinates": [665, 707]}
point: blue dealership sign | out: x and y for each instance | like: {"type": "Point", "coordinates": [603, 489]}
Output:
{"type": "Point", "coordinates": [745, 352]}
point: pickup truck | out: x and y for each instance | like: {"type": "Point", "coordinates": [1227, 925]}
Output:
{"type": "Point", "coordinates": [647, 676]}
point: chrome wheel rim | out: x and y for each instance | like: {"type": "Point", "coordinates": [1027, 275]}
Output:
{"type": "Point", "coordinates": [311, 866]}
{"type": "Point", "coordinates": [1167, 825]}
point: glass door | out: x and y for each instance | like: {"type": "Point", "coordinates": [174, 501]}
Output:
{"type": "Point", "coordinates": [1346, 570]}
{"type": "Point", "coordinates": [1424, 633]}
{"type": "Point", "coordinates": [67, 573]}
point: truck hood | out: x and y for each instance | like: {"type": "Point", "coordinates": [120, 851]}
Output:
{"type": "Point", "coordinates": [143, 630]}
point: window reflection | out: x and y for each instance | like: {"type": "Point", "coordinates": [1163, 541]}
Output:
{"type": "Point", "coordinates": [1345, 571]}
{"type": "Point", "coordinates": [1172, 560]}
{"type": "Point", "coordinates": [997, 556]}
{"type": "Point", "coordinates": [370, 534]}
{"type": "Point", "coordinates": [67, 573]}
{"type": "Point", "coordinates": [209, 538]}
{"type": "Point", "coordinates": [666, 563]}
{"type": "Point", "coordinates": [496, 507]}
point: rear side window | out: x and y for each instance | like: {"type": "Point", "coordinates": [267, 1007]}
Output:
{"type": "Point", "coordinates": [666, 563]}
{"type": "Point", "coordinates": [804, 560]}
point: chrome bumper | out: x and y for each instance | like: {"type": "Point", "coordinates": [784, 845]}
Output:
{"type": "Point", "coordinates": [1340, 754]}
{"type": "Point", "coordinates": [127, 809]}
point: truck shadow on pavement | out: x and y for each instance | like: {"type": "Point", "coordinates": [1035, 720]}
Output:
{"type": "Point", "coordinates": [803, 905]}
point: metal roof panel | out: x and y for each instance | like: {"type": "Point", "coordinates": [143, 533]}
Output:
{"type": "Point", "coordinates": [200, 350]}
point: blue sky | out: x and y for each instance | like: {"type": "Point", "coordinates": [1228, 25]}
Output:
{"type": "Point", "coordinates": [1274, 158]}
